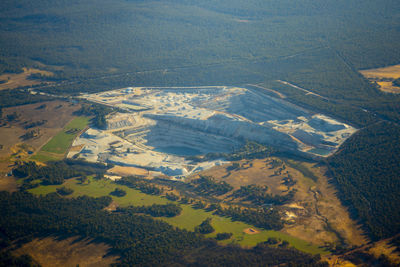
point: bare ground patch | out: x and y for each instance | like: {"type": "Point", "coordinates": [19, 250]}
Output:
{"type": "Point", "coordinates": [67, 252]}
{"type": "Point", "coordinates": [386, 72]}
{"type": "Point", "coordinates": [258, 171]}
{"type": "Point", "coordinates": [384, 77]}
{"type": "Point", "coordinates": [46, 119]}
{"type": "Point", "coordinates": [8, 184]}
{"type": "Point", "coordinates": [14, 80]}
{"type": "Point", "coordinates": [112, 207]}
{"type": "Point", "coordinates": [323, 219]}
{"type": "Point", "coordinates": [251, 231]}
{"type": "Point", "coordinates": [126, 171]}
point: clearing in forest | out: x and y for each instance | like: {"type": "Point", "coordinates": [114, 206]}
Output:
{"type": "Point", "coordinates": [384, 77]}
{"type": "Point", "coordinates": [71, 251]}
{"type": "Point", "coordinates": [14, 80]}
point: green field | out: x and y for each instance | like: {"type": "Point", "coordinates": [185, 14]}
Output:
{"type": "Point", "coordinates": [188, 219]}
{"type": "Point", "coordinates": [43, 156]}
{"type": "Point", "coordinates": [56, 148]}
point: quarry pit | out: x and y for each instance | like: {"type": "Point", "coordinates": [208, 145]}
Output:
{"type": "Point", "coordinates": [159, 128]}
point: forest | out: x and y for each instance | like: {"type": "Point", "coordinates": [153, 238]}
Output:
{"type": "Point", "coordinates": [139, 183]}
{"type": "Point", "coordinates": [139, 240]}
{"type": "Point", "coordinates": [366, 172]}
{"type": "Point", "coordinates": [10, 98]}
{"type": "Point", "coordinates": [98, 112]}
{"type": "Point", "coordinates": [206, 185]}
{"type": "Point", "coordinates": [155, 210]}
{"type": "Point", "coordinates": [54, 173]}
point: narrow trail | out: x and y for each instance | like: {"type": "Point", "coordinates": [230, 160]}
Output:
{"type": "Point", "coordinates": [269, 89]}
{"type": "Point", "coordinates": [302, 89]}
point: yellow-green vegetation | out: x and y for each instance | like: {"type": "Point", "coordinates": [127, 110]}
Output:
{"type": "Point", "coordinates": [308, 177]}
{"type": "Point", "coordinates": [56, 148]}
{"type": "Point", "coordinates": [45, 156]}
{"type": "Point", "coordinates": [188, 219]}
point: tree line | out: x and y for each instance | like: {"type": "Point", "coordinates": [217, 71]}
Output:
{"type": "Point", "coordinates": [139, 240]}
{"type": "Point", "coordinates": [55, 172]}
{"type": "Point", "coordinates": [366, 173]}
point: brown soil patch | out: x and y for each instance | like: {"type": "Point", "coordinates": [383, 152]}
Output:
{"type": "Point", "coordinates": [251, 231]}
{"type": "Point", "coordinates": [55, 115]}
{"type": "Point", "coordinates": [112, 207]}
{"type": "Point", "coordinates": [384, 77]}
{"type": "Point", "coordinates": [386, 72]}
{"type": "Point", "coordinates": [258, 171]}
{"type": "Point", "coordinates": [68, 252]}
{"type": "Point", "coordinates": [76, 148]}
{"type": "Point", "coordinates": [14, 80]}
{"type": "Point", "coordinates": [8, 183]}
{"type": "Point", "coordinates": [126, 171]}
{"type": "Point", "coordinates": [316, 204]}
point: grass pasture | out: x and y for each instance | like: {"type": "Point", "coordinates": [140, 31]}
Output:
{"type": "Point", "coordinates": [43, 156]}
{"type": "Point", "coordinates": [191, 217]}
{"type": "Point", "coordinates": [56, 148]}
{"type": "Point", "coordinates": [188, 219]}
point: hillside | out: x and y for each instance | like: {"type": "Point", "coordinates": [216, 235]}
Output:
{"type": "Point", "coordinates": [366, 171]}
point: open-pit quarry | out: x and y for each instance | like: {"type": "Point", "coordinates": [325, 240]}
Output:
{"type": "Point", "coordinates": [160, 127]}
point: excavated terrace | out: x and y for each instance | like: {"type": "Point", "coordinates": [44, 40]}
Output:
{"type": "Point", "coordinates": [162, 126]}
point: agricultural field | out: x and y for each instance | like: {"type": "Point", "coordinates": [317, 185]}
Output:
{"type": "Point", "coordinates": [188, 219]}
{"type": "Point", "coordinates": [384, 77]}
{"type": "Point", "coordinates": [25, 129]}
{"type": "Point", "coordinates": [58, 146]}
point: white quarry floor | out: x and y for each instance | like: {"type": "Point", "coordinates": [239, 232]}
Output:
{"type": "Point", "coordinates": [163, 125]}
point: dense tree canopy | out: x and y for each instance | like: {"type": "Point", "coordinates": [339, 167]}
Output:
{"type": "Point", "coordinates": [366, 172]}
{"type": "Point", "coordinates": [139, 240]}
